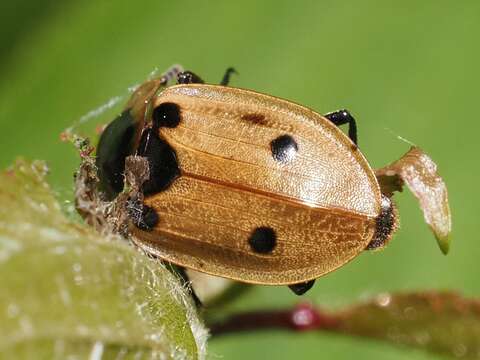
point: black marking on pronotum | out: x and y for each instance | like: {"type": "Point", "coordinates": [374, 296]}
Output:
{"type": "Point", "coordinates": [144, 217]}
{"type": "Point", "coordinates": [301, 288]}
{"type": "Point", "coordinates": [263, 240]}
{"type": "Point", "coordinates": [162, 161]}
{"type": "Point", "coordinates": [166, 115]}
{"type": "Point", "coordinates": [284, 148]}
{"type": "Point", "coordinates": [114, 146]}
{"type": "Point", "coordinates": [385, 224]}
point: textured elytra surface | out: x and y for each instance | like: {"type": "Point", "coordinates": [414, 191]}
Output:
{"type": "Point", "coordinates": [216, 140]}
{"type": "Point", "coordinates": [207, 227]}
{"type": "Point", "coordinates": [320, 199]}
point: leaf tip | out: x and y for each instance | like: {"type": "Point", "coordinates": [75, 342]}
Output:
{"type": "Point", "coordinates": [444, 241]}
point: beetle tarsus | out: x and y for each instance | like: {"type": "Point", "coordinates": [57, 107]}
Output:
{"type": "Point", "coordinates": [226, 78]}
{"type": "Point", "coordinates": [301, 288]}
{"type": "Point", "coordinates": [341, 117]}
{"type": "Point", "coordinates": [188, 77]}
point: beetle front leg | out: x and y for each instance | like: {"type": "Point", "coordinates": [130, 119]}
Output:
{"type": "Point", "coordinates": [341, 117]}
{"type": "Point", "coordinates": [301, 288]}
{"type": "Point", "coordinates": [226, 77]}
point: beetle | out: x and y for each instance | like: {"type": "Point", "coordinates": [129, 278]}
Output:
{"type": "Point", "coordinates": [244, 185]}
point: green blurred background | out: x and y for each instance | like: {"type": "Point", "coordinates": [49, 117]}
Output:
{"type": "Point", "coordinates": [404, 68]}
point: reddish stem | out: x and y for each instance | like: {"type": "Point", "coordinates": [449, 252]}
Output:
{"type": "Point", "coordinates": [302, 317]}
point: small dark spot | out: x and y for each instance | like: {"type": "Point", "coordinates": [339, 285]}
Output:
{"type": "Point", "coordinates": [255, 118]}
{"type": "Point", "coordinates": [144, 217]}
{"type": "Point", "coordinates": [166, 115]}
{"type": "Point", "coordinates": [385, 224]}
{"type": "Point", "coordinates": [162, 161]}
{"type": "Point", "coordinates": [301, 288]}
{"type": "Point", "coordinates": [354, 147]}
{"type": "Point", "coordinates": [149, 218]}
{"type": "Point", "coordinates": [263, 240]}
{"type": "Point", "coordinates": [284, 148]}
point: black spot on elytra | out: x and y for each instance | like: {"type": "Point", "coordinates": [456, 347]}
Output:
{"type": "Point", "coordinates": [162, 161]}
{"type": "Point", "coordinates": [255, 118]}
{"type": "Point", "coordinates": [115, 145]}
{"type": "Point", "coordinates": [284, 148]}
{"type": "Point", "coordinates": [166, 115]}
{"type": "Point", "coordinates": [385, 224]}
{"type": "Point", "coordinates": [144, 217]}
{"type": "Point", "coordinates": [302, 288]}
{"type": "Point", "coordinates": [149, 218]}
{"type": "Point", "coordinates": [263, 240]}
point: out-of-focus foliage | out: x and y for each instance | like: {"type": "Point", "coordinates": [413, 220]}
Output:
{"type": "Point", "coordinates": [65, 291]}
{"type": "Point", "coordinates": [445, 323]}
{"type": "Point", "coordinates": [404, 68]}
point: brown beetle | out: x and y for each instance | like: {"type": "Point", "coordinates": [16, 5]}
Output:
{"type": "Point", "coordinates": [245, 185]}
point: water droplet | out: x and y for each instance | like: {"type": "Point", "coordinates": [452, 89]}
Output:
{"type": "Point", "coordinates": [302, 318]}
{"type": "Point", "coordinates": [77, 267]}
{"type": "Point", "coordinates": [82, 330]}
{"type": "Point", "coordinates": [26, 326]}
{"type": "Point", "coordinates": [410, 313]}
{"type": "Point", "coordinates": [384, 299]}
{"type": "Point", "coordinates": [393, 333]}
{"type": "Point", "coordinates": [422, 338]}
{"type": "Point", "coordinates": [13, 310]}
{"type": "Point", "coordinates": [59, 349]}
{"type": "Point", "coordinates": [459, 350]}
{"type": "Point", "coordinates": [78, 279]}
{"type": "Point", "coordinates": [59, 250]}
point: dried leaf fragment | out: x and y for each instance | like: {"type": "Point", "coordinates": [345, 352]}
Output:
{"type": "Point", "coordinates": [418, 171]}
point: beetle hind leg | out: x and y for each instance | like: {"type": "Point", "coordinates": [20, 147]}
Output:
{"type": "Point", "coordinates": [301, 288]}
{"type": "Point", "coordinates": [341, 117]}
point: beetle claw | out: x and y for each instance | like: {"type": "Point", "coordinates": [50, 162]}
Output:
{"type": "Point", "coordinates": [301, 288]}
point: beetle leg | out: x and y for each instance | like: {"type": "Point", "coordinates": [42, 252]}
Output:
{"type": "Point", "coordinates": [188, 77]}
{"type": "Point", "coordinates": [226, 77]}
{"type": "Point", "coordinates": [185, 281]}
{"type": "Point", "coordinates": [301, 288]}
{"type": "Point", "coordinates": [341, 117]}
